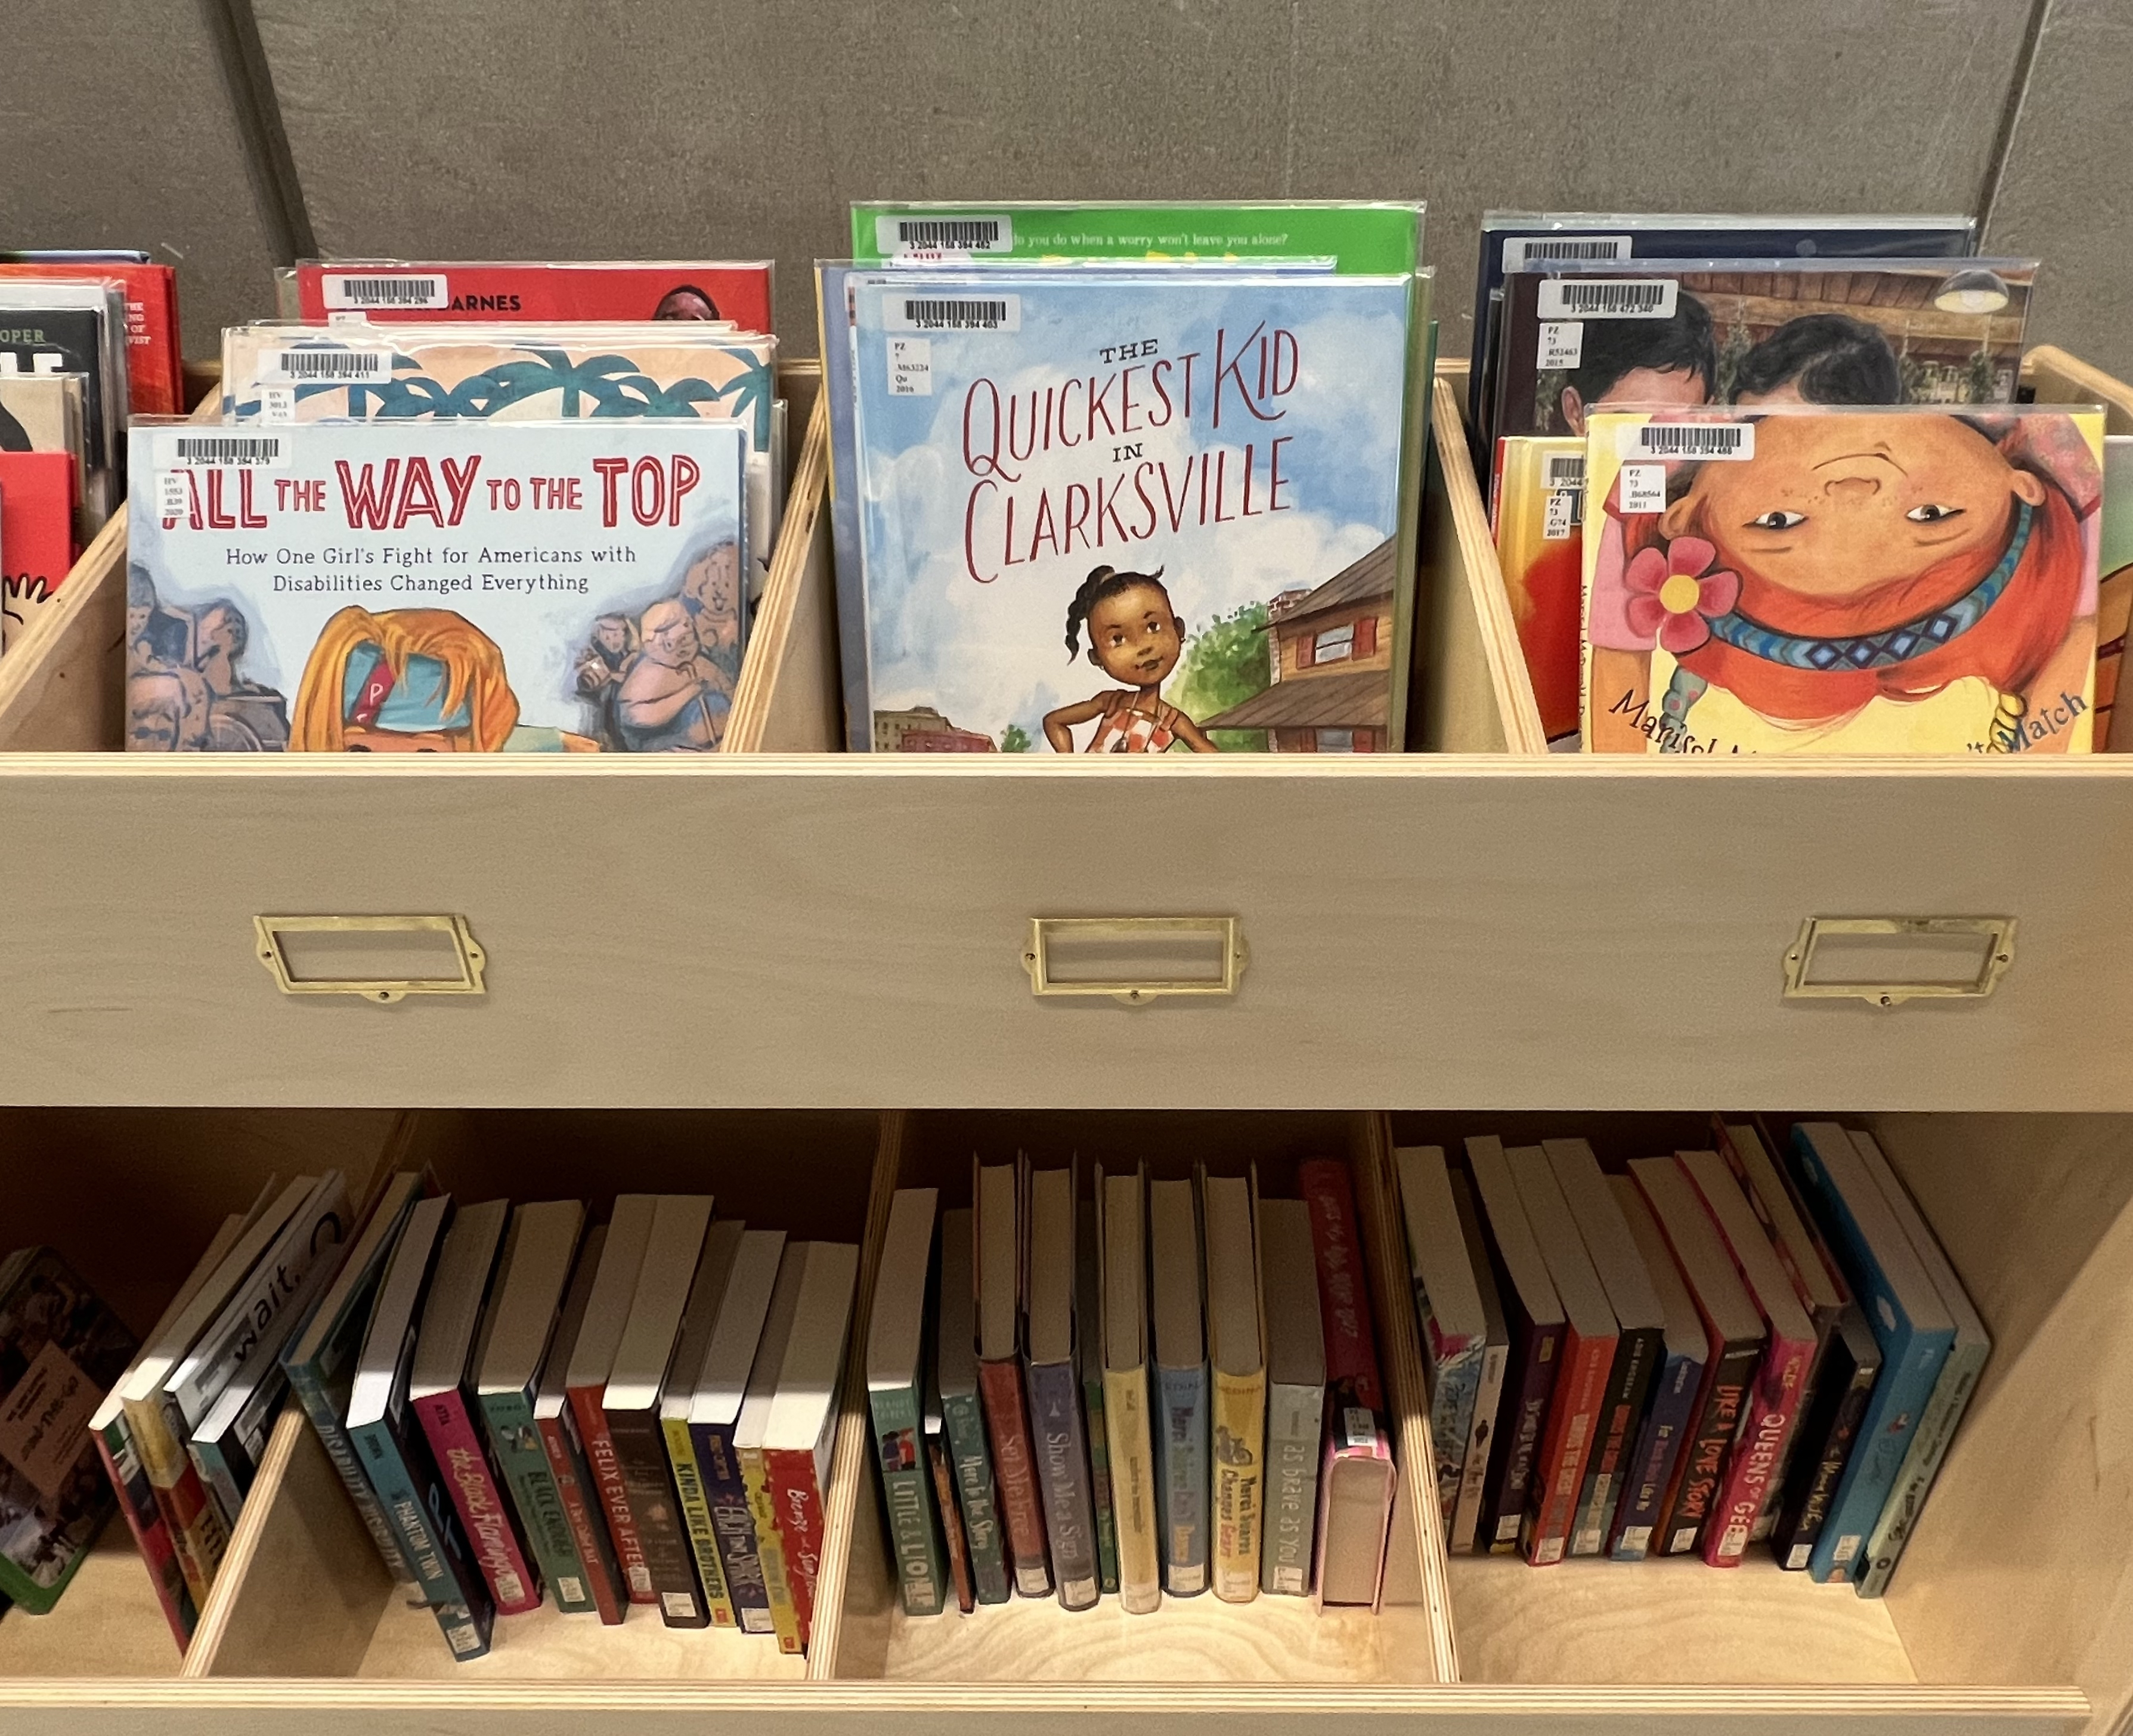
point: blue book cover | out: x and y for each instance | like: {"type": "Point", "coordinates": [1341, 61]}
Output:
{"type": "Point", "coordinates": [1908, 1319]}
{"type": "Point", "coordinates": [396, 1459]}
{"type": "Point", "coordinates": [1126, 510]}
{"type": "Point", "coordinates": [1651, 1463]}
{"type": "Point", "coordinates": [1181, 1456]}
{"type": "Point", "coordinates": [1063, 1477]}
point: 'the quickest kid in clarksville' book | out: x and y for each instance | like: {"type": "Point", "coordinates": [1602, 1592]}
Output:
{"type": "Point", "coordinates": [1127, 511]}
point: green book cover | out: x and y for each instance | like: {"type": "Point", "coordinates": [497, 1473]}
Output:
{"type": "Point", "coordinates": [508, 1418]}
{"type": "Point", "coordinates": [907, 1489]}
{"type": "Point", "coordinates": [963, 1415]}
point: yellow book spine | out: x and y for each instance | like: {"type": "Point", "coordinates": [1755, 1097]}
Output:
{"type": "Point", "coordinates": [1240, 1483]}
{"type": "Point", "coordinates": [696, 1517]}
{"type": "Point", "coordinates": [1133, 1489]}
{"type": "Point", "coordinates": [196, 1529]}
{"type": "Point", "coordinates": [770, 1549]}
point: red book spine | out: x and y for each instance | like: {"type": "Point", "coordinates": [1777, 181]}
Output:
{"type": "Point", "coordinates": [614, 1496]}
{"type": "Point", "coordinates": [492, 1539]}
{"type": "Point", "coordinates": [137, 1500]}
{"type": "Point", "coordinates": [592, 1547]}
{"type": "Point", "coordinates": [153, 365]}
{"type": "Point", "coordinates": [798, 1501]}
{"type": "Point", "coordinates": [1351, 1351]}
{"type": "Point", "coordinates": [1581, 1390]}
{"type": "Point", "coordinates": [1014, 1470]}
{"type": "Point", "coordinates": [1773, 1409]}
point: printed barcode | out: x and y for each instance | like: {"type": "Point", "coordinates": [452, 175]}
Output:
{"type": "Point", "coordinates": [337, 367]}
{"type": "Point", "coordinates": [1548, 1553]}
{"type": "Point", "coordinates": [1525, 250]}
{"type": "Point", "coordinates": [1687, 439]}
{"type": "Point", "coordinates": [198, 450]}
{"type": "Point", "coordinates": [1289, 1580]}
{"type": "Point", "coordinates": [678, 1604]}
{"type": "Point", "coordinates": [1607, 298]}
{"type": "Point", "coordinates": [1587, 1544]}
{"type": "Point", "coordinates": [1564, 470]}
{"type": "Point", "coordinates": [1507, 1527]}
{"type": "Point", "coordinates": [463, 1639]}
{"type": "Point", "coordinates": [574, 1590]}
{"type": "Point", "coordinates": [1847, 1548]}
{"type": "Point", "coordinates": [934, 314]}
{"type": "Point", "coordinates": [963, 232]}
{"type": "Point", "coordinates": [390, 292]}
{"type": "Point", "coordinates": [1359, 1426]}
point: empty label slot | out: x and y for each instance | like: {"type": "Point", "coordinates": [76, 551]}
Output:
{"type": "Point", "coordinates": [1093, 953]}
{"type": "Point", "coordinates": [1887, 960]}
{"type": "Point", "coordinates": [371, 955]}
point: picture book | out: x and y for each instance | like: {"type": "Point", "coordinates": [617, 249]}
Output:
{"type": "Point", "coordinates": [60, 1351]}
{"type": "Point", "coordinates": [154, 365]}
{"type": "Point", "coordinates": [76, 328]}
{"type": "Point", "coordinates": [440, 293]}
{"type": "Point", "coordinates": [2114, 590]}
{"type": "Point", "coordinates": [1808, 580]}
{"type": "Point", "coordinates": [1537, 512]}
{"type": "Point", "coordinates": [1204, 520]}
{"type": "Point", "coordinates": [435, 587]}
{"type": "Point", "coordinates": [1513, 241]}
{"type": "Point", "coordinates": [37, 504]}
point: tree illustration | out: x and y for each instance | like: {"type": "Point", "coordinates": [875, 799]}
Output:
{"type": "Point", "coordinates": [1223, 665]}
{"type": "Point", "coordinates": [1014, 739]}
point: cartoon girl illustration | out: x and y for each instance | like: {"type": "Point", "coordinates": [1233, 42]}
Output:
{"type": "Point", "coordinates": [1134, 637]}
{"type": "Point", "coordinates": [1876, 582]}
{"type": "Point", "coordinates": [413, 681]}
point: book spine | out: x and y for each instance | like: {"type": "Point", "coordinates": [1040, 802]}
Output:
{"type": "Point", "coordinates": [574, 1487]}
{"type": "Point", "coordinates": [487, 1523]}
{"type": "Point", "coordinates": [1922, 1462]}
{"type": "Point", "coordinates": [218, 1475]}
{"type": "Point", "coordinates": [1580, 1390]}
{"type": "Point", "coordinates": [1481, 1446]}
{"type": "Point", "coordinates": [1132, 1443]}
{"type": "Point", "coordinates": [419, 1512]}
{"type": "Point", "coordinates": [196, 1529]}
{"type": "Point", "coordinates": [1015, 1473]}
{"type": "Point", "coordinates": [641, 1450]}
{"type": "Point", "coordinates": [770, 1549]}
{"type": "Point", "coordinates": [1773, 1410]}
{"type": "Point", "coordinates": [963, 1417]}
{"type": "Point", "coordinates": [1239, 1491]}
{"type": "Point", "coordinates": [1828, 1432]}
{"type": "Point", "coordinates": [522, 1457]}
{"type": "Point", "coordinates": [1698, 1477]}
{"type": "Point", "coordinates": [1628, 1391]}
{"type": "Point", "coordinates": [951, 1523]}
{"type": "Point", "coordinates": [906, 1486]}
{"type": "Point", "coordinates": [151, 1531]}
{"type": "Point", "coordinates": [1652, 1461]}
{"type": "Point", "coordinates": [696, 1519]}
{"type": "Point", "coordinates": [1100, 1481]}
{"type": "Point", "coordinates": [1183, 1460]}
{"type": "Point", "coordinates": [1908, 1374]}
{"type": "Point", "coordinates": [614, 1493]}
{"type": "Point", "coordinates": [308, 1382]}
{"type": "Point", "coordinates": [1295, 1415]}
{"type": "Point", "coordinates": [1454, 1374]}
{"type": "Point", "coordinates": [1530, 1379]}
{"type": "Point", "coordinates": [733, 1527]}
{"type": "Point", "coordinates": [1062, 1467]}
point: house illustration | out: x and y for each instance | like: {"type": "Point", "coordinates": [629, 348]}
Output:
{"type": "Point", "coordinates": [922, 729]}
{"type": "Point", "coordinates": [1330, 657]}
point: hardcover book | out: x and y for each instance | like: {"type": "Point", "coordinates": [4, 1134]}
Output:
{"type": "Point", "coordinates": [76, 328]}
{"type": "Point", "coordinates": [575, 1485]}
{"type": "Point", "coordinates": [677, 1394]}
{"type": "Point", "coordinates": [1177, 512]}
{"type": "Point", "coordinates": [1447, 1305]}
{"type": "Point", "coordinates": [1495, 1362]}
{"type": "Point", "coordinates": [1129, 1415]}
{"type": "Point", "coordinates": [1236, 1361]}
{"type": "Point", "coordinates": [953, 1545]}
{"type": "Point", "coordinates": [434, 586]}
{"type": "Point", "coordinates": [1296, 1396]}
{"type": "Point", "coordinates": [1089, 1361]}
{"type": "Point", "coordinates": [1675, 1387]}
{"type": "Point", "coordinates": [37, 506]}
{"type": "Point", "coordinates": [592, 1361]}
{"type": "Point", "coordinates": [154, 367]}
{"type": "Point", "coordinates": [1056, 1426]}
{"type": "Point", "coordinates": [1809, 580]}
{"type": "Point", "coordinates": [996, 1221]}
{"type": "Point", "coordinates": [896, 1399]}
{"type": "Point", "coordinates": [419, 291]}
{"type": "Point", "coordinates": [1176, 1286]}
{"type": "Point", "coordinates": [962, 1411]}
{"type": "Point", "coordinates": [723, 1385]}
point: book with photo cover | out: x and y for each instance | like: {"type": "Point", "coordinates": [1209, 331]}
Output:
{"type": "Point", "coordinates": [434, 586]}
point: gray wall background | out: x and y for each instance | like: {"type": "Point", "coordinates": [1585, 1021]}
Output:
{"type": "Point", "coordinates": [231, 134]}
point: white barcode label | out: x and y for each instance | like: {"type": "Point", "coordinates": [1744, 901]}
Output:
{"type": "Point", "coordinates": [1562, 344]}
{"type": "Point", "coordinates": [203, 452]}
{"type": "Point", "coordinates": [463, 1638]}
{"type": "Point", "coordinates": [386, 290]}
{"type": "Point", "coordinates": [1288, 1581]}
{"type": "Point", "coordinates": [1563, 469]}
{"type": "Point", "coordinates": [1561, 516]}
{"type": "Point", "coordinates": [573, 1589]}
{"type": "Point", "coordinates": [45, 361]}
{"type": "Point", "coordinates": [950, 313]}
{"type": "Point", "coordinates": [1548, 1553]}
{"type": "Point", "coordinates": [1637, 1537]}
{"type": "Point", "coordinates": [911, 367]}
{"type": "Point", "coordinates": [277, 403]}
{"type": "Point", "coordinates": [1520, 251]}
{"type": "Point", "coordinates": [1358, 1426]}
{"type": "Point", "coordinates": [1586, 1543]}
{"type": "Point", "coordinates": [1643, 488]}
{"type": "Point", "coordinates": [1683, 1538]}
{"type": "Point", "coordinates": [640, 1578]}
{"type": "Point", "coordinates": [755, 1621]}
{"type": "Point", "coordinates": [173, 494]}
{"type": "Point", "coordinates": [1188, 1582]}
{"type": "Point", "coordinates": [1607, 298]}
{"type": "Point", "coordinates": [1721, 439]}
{"type": "Point", "coordinates": [679, 1605]}
{"type": "Point", "coordinates": [1507, 1527]}
{"type": "Point", "coordinates": [958, 232]}
{"type": "Point", "coordinates": [1735, 1542]}
{"type": "Point", "coordinates": [510, 1588]}
{"type": "Point", "coordinates": [1847, 1547]}
{"type": "Point", "coordinates": [1796, 1557]}
{"type": "Point", "coordinates": [317, 367]}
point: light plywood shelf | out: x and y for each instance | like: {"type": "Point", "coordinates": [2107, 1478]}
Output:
{"type": "Point", "coordinates": [548, 1646]}
{"type": "Point", "coordinates": [1670, 1620]}
{"type": "Point", "coordinates": [107, 1623]}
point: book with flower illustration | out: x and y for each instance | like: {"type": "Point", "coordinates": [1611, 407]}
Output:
{"type": "Point", "coordinates": [434, 586]}
{"type": "Point", "coordinates": [1118, 509]}
{"type": "Point", "coordinates": [1806, 579]}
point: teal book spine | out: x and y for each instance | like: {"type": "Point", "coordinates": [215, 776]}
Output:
{"type": "Point", "coordinates": [963, 1417]}
{"type": "Point", "coordinates": [507, 1420]}
{"type": "Point", "coordinates": [906, 1490]}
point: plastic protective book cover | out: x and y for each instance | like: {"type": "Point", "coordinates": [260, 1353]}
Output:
{"type": "Point", "coordinates": [46, 412]}
{"type": "Point", "coordinates": [896, 1399]}
{"type": "Point", "coordinates": [721, 1385]}
{"type": "Point", "coordinates": [560, 1440]}
{"type": "Point", "coordinates": [440, 293]}
{"type": "Point", "coordinates": [1177, 1299]}
{"type": "Point", "coordinates": [1523, 240]}
{"type": "Point", "coordinates": [1237, 1367]}
{"type": "Point", "coordinates": [1852, 580]}
{"type": "Point", "coordinates": [1089, 1364]}
{"type": "Point", "coordinates": [1296, 1395]}
{"type": "Point", "coordinates": [1057, 1428]}
{"type": "Point", "coordinates": [1365, 236]}
{"type": "Point", "coordinates": [154, 367]}
{"type": "Point", "coordinates": [60, 1351]}
{"type": "Point", "coordinates": [1122, 1323]}
{"type": "Point", "coordinates": [1447, 1305]}
{"type": "Point", "coordinates": [1204, 521]}
{"type": "Point", "coordinates": [1675, 1387]}
{"type": "Point", "coordinates": [1536, 512]}
{"type": "Point", "coordinates": [76, 328]}
{"type": "Point", "coordinates": [963, 1421]}
{"type": "Point", "coordinates": [440, 587]}
{"type": "Point", "coordinates": [1495, 1362]}
{"type": "Point", "coordinates": [36, 535]}
{"type": "Point", "coordinates": [1748, 333]}
{"type": "Point", "coordinates": [700, 1320]}
{"type": "Point", "coordinates": [997, 1251]}
{"type": "Point", "coordinates": [2115, 589]}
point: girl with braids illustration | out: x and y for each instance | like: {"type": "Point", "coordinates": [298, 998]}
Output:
{"type": "Point", "coordinates": [1134, 637]}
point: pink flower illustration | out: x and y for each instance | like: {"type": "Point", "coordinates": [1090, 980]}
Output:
{"type": "Point", "coordinates": [1672, 596]}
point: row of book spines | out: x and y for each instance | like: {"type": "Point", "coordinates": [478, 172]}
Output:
{"type": "Point", "coordinates": [191, 1523]}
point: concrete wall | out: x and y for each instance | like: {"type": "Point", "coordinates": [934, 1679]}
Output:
{"type": "Point", "coordinates": [228, 132]}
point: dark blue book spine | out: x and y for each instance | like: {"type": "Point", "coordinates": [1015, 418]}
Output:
{"type": "Point", "coordinates": [1182, 1453]}
{"type": "Point", "coordinates": [1658, 1450]}
{"type": "Point", "coordinates": [734, 1525]}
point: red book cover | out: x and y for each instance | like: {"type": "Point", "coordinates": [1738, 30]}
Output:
{"type": "Point", "coordinates": [491, 1537]}
{"type": "Point", "coordinates": [1014, 1472]}
{"type": "Point", "coordinates": [1351, 1351]}
{"type": "Point", "coordinates": [1581, 1391]}
{"type": "Point", "coordinates": [1774, 1400]}
{"type": "Point", "coordinates": [614, 1498]}
{"type": "Point", "coordinates": [563, 1460]}
{"type": "Point", "coordinates": [38, 499]}
{"type": "Point", "coordinates": [441, 292]}
{"type": "Point", "coordinates": [797, 1497]}
{"type": "Point", "coordinates": [137, 1500]}
{"type": "Point", "coordinates": [154, 369]}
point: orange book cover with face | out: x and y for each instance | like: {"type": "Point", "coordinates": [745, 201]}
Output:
{"type": "Point", "coordinates": [1797, 579]}
{"type": "Point", "coordinates": [436, 586]}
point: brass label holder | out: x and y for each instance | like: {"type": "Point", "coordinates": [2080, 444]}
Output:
{"type": "Point", "coordinates": [1813, 972]}
{"type": "Point", "coordinates": [288, 946]}
{"type": "Point", "coordinates": [1134, 959]}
